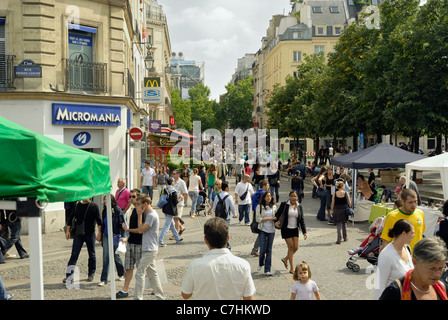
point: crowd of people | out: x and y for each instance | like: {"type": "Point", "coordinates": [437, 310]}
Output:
{"type": "Point", "coordinates": [409, 265]}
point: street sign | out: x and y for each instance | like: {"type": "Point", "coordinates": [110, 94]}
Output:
{"type": "Point", "coordinates": [137, 144]}
{"type": "Point", "coordinates": [28, 69]}
{"type": "Point", "coordinates": [152, 95]}
{"type": "Point", "coordinates": [311, 154]}
{"type": "Point", "coordinates": [136, 134]}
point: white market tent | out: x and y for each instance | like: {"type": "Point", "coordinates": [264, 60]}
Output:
{"type": "Point", "coordinates": [437, 163]}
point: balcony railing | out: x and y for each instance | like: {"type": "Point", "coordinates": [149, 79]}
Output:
{"type": "Point", "coordinates": [6, 71]}
{"type": "Point", "coordinates": [85, 76]}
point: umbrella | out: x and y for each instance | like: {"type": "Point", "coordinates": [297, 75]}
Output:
{"type": "Point", "coordinates": [35, 166]}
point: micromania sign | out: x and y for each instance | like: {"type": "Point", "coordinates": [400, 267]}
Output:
{"type": "Point", "coordinates": [76, 114]}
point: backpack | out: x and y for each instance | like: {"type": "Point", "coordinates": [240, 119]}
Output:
{"type": "Point", "coordinates": [221, 210]}
{"type": "Point", "coordinates": [163, 200]}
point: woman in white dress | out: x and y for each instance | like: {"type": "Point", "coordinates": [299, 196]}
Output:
{"type": "Point", "coordinates": [395, 259]}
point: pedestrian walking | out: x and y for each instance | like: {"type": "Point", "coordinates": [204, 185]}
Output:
{"type": "Point", "coordinates": [264, 187]}
{"type": "Point", "coordinates": [211, 177]}
{"type": "Point", "coordinates": [395, 260]}
{"type": "Point", "coordinates": [289, 219]}
{"type": "Point", "coordinates": [339, 202]}
{"type": "Point", "coordinates": [170, 211]}
{"type": "Point", "coordinates": [85, 215]}
{"type": "Point", "coordinates": [122, 195]}
{"type": "Point", "coordinates": [14, 223]}
{"type": "Point", "coordinates": [148, 179]}
{"type": "Point", "coordinates": [266, 217]}
{"type": "Point", "coordinates": [243, 194]}
{"type": "Point", "coordinates": [147, 265]}
{"type": "Point", "coordinates": [304, 288]}
{"type": "Point", "coordinates": [182, 194]}
{"type": "Point", "coordinates": [193, 191]}
{"type": "Point", "coordinates": [297, 185]}
{"type": "Point", "coordinates": [329, 189]}
{"type": "Point", "coordinates": [133, 245]}
{"type": "Point", "coordinates": [319, 182]}
{"type": "Point", "coordinates": [118, 236]}
{"type": "Point", "coordinates": [274, 180]}
{"type": "Point", "coordinates": [232, 282]}
{"type": "Point", "coordinates": [161, 177]}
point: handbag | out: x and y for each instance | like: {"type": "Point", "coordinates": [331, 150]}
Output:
{"type": "Point", "coordinates": [78, 229]}
{"type": "Point", "coordinates": [254, 224]}
{"type": "Point", "coordinates": [348, 211]}
{"type": "Point", "coordinates": [279, 223]}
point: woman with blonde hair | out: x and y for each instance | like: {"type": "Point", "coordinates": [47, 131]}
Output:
{"type": "Point", "coordinates": [304, 288]}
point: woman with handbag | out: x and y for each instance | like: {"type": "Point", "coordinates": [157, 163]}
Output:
{"type": "Point", "coordinates": [319, 182]}
{"type": "Point", "coordinates": [339, 203]}
{"type": "Point", "coordinates": [265, 218]}
{"type": "Point", "coordinates": [289, 219]}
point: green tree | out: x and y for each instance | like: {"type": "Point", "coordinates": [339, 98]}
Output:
{"type": "Point", "coordinates": [236, 105]}
{"type": "Point", "coordinates": [181, 110]}
{"type": "Point", "coordinates": [202, 108]}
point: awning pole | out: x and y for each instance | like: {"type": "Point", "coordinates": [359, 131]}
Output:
{"type": "Point", "coordinates": [110, 242]}
{"type": "Point", "coordinates": [36, 261]}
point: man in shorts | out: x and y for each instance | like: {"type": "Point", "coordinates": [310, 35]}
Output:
{"type": "Point", "coordinates": [133, 246]}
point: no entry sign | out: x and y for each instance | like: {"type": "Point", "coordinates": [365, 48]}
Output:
{"type": "Point", "coordinates": [136, 134]}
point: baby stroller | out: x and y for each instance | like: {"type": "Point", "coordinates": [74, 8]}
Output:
{"type": "Point", "coordinates": [203, 204]}
{"type": "Point", "coordinates": [369, 248]}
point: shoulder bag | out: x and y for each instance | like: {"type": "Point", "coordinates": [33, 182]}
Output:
{"type": "Point", "coordinates": [348, 211]}
{"type": "Point", "coordinates": [279, 223]}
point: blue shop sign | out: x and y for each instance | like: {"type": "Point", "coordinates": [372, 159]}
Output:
{"type": "Point", "coordinates": [77, 114]}
{"type": "Point", "coordinates": [81, 138]}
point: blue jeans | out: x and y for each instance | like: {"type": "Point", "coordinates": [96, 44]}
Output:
{"type": "Point", "coordinates": [169, 223]}
{"type": "Point", "coordinates": [148, 190]}
{"type": "Point", "coordinates": [76, 249]}
{"type": "Point", "coordinates": [244, 210]}
{"type": "Point", "coordinates": [266, 241]}
{"type": "Point", "coordinates": [194, 200]}
{"type": "Point", "coordinates": [275, 189]}
{"type": "Point", "coordinates": [209, 193]}
{"type": "Point", "coordinates": [14, 239]}
{"type": "Point", "coordinates": [3, 294]}
{"type": "Point", "coordinates": [117, 259]}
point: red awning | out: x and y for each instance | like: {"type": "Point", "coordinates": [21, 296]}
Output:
{"type": "Point", "coordinates": [168, 130]}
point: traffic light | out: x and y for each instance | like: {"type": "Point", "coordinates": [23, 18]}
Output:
{"type": "Point", "coordinates": [172, 121]}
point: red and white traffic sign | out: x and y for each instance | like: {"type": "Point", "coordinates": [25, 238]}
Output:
{"type": "Point", "coordinates": [136, 133]}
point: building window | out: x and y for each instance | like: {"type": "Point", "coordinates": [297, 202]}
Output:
{"type": "Point", "coordinates": [297, 35]}
{"type": "Point", "coordinates": [320, 31]}
{"type": "Point", "coordinates": [297, 56]}
{"type": "Point", "coordinates": [317, 9]}
{"type": "Point", "coordinates": [6, 62]}
{"type": "Point", "coordinates": [351, 3]}
{"type": "Point", "coordinates": [295, 74]}
{"type": "Point", "coordinates": [337, 31]}
{"type": "Point", "coordinates": [334, 9]}
{"type": "Point", "coordinates": [318, 49]}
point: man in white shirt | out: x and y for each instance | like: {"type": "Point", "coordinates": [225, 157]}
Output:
{"type": "Point", "coordinates": [148, 179]}
{"type": "Point", "coordinates": [182, 193]}
{"type": "Point", "coordinates": [243, 195]}
{"type": "Point", "coordinates": [218, 275]}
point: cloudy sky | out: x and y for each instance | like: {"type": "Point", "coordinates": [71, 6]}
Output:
{"type": "Point", "coordinates": [218, 32]}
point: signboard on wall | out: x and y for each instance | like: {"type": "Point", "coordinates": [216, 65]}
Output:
{"type": "Point", "coordinates": [77, 114]}
{"type": "Point", "coordinates": [152, 95]}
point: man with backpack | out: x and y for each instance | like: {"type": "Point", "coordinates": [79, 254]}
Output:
{"type": "Point", "coordinates": [170, 211]}
{"type": "Point", "coordinates": [264, 186]}
{"type": "Point", "coordinates": [223, 205]}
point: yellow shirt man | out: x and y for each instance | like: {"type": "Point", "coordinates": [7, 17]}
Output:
{"type": "Point", "coordinates": [417, 219]}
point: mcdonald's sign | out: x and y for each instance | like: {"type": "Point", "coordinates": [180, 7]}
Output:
{"type": "Point", "coordinates": [153, 82]}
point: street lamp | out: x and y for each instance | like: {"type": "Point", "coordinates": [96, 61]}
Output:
{"type": "Point", "coordinates": [149, 60]}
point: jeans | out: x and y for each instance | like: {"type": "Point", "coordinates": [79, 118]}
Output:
{"type": "Point", "coordinates": [194, 199]}
{"type": "Point", "coordinates": [323, 203]}
{"type": "Point", "coordinates": [148, 190]}
{"type": "Point", "coordinates": [3, 294]}
{"type": "Point", "coordinates": [244, 210]}
{"type": "Point", "coordinates": [14, 239]}
{"type": "Point", "coordinates": [76, 249]}
{"type": "Point", "coordinates": [276, 190]}
{"type": "Point", "coordinates": [117, 259]}
{"type": "Point", "coordinates": [147, 266]}
{"type": "Point", "coordinates": [169, 223]}
{"type": "Point", "coordinates": [266, 241]}
{"type": "Point", "coordinates": [209, 193]}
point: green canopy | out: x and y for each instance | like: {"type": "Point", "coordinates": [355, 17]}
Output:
{"type": "Point", "coordinates": [33, 165]}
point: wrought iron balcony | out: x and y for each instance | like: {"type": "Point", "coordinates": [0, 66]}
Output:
{"type": "Point", "coordinates": [6, 71]}
{"type": "Point", "coordinates": [85, 76]}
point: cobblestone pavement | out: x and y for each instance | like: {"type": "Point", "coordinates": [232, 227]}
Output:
{"type": "Point", "coordinates": [326, 259]}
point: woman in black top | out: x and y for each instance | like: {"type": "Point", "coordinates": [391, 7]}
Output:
{"type": "Point", "coordinates": [329, 184]}
{"type": "Point", "coordinates": [340, 201]}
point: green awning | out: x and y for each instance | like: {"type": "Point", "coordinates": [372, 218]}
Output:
{"type": "Point", "coordinates": [33, 165]}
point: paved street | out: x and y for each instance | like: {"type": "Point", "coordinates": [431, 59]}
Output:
{"type": "Point", "coordinates": [326, 259]}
